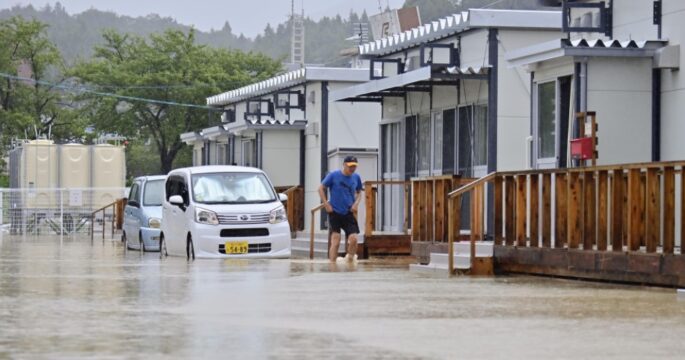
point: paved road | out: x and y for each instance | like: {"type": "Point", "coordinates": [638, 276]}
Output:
{"type": "Point", "coordinates": [74, 299]}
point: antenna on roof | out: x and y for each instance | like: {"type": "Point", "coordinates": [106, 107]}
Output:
{"type": "Point", "coordinates": [297, 39]}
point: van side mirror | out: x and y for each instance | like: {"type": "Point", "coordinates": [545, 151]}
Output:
{"type": "Point", "coordinates": [176, 200]}
{"type": "Point", "coordinates": [282, 197]}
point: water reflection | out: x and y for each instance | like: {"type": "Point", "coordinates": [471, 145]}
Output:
{"type": "Point", "coordinates": [73, 298]}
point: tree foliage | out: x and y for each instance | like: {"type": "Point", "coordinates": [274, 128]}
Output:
{"type": "Point", "coordinates": [30, 105]}
{"type": "Point", "coordinates": [171, 68]}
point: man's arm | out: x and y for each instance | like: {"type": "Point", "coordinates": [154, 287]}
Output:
{"type": "Point", "coordinates": [324, 200]}
{"type": "Point", "coordinates": [357, 200]}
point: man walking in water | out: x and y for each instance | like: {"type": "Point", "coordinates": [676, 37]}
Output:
{"type": "Point", "coordinates": [345, 189]}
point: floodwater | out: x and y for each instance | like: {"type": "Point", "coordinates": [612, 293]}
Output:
{"type": "Point", "coordinates": [77, 299]}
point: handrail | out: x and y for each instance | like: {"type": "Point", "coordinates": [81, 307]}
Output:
{"type": "Point", "coordinates": [92, 218]}
{"type": "Point", "coordinates": [311, 239]}
{"type": "Point", "coordinates": [291, 189]}
{"type": "Point", "coordinates": [471, 185]}
{"type": "Point", "coordinates": [451, 216]}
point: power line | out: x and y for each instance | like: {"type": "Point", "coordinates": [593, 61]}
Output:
{"type": "Point", "coordinates": [100, 93]}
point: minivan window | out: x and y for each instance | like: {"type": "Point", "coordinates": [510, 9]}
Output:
{"type": "Point", "coordinates": [154, 193]}
{"type": "Point", "coordinates": [232, 188]}
{"type": "Point", "coordinates": [133, 195]}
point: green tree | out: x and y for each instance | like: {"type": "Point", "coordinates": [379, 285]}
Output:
{"type": "Point", "coordinates": [170, 68]}
{"type": "Point", "coordinates": [30, 105]}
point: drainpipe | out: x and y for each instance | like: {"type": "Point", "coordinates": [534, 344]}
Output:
{"type": "Point", "coordinates": [324, 140]}
{"type": "Point", "coordinates": [493, 60]}
{"type": "Point", "coordinates": [656, 114]}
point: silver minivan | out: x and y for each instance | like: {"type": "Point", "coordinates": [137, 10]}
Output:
{"type": "Point", "coordinates": [143, 213]}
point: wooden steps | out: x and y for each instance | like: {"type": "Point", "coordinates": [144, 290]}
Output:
{"type": "Point", "coordinates": [483, 264]}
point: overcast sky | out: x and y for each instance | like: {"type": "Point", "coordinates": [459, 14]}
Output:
{"type": "Point", "coordinates": [246, 16]}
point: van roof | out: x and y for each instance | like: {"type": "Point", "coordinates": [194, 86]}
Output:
{"type": "Point", "coordinates": [150, 177]}
{"type": "Point", "coordinates": [216, 168]}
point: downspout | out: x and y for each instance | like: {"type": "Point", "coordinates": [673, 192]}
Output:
{"type": "Point", "coordinates": [324, 140]}
{"type": "Point", "coordinates": [493, 60]}
{"type": "Point", "coordinates": [656, 96]}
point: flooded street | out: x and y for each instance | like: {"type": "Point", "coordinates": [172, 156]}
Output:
{"type": "Point", "coordinates": [76, 299]}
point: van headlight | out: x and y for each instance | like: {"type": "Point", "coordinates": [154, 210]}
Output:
{"type": "Point", "coordinates": [208, 217]}
{"type": "Point", "coordinates": [277, 215]}
{"type": "Point", "coordinates": [154, 223]}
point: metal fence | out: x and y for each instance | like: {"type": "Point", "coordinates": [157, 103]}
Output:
{"type": "Point", "coordinates": [58, 211]}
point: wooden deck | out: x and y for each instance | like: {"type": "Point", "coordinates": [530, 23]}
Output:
{"type": "Point", "coordinates": [613, 223]}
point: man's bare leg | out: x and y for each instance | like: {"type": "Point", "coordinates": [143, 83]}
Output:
{"type": "Point", "coordinates": [335, 244]}
{"type": "Point", "coordinates": [352, 246]}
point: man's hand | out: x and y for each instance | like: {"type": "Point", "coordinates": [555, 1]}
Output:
{"type": "Point", "coordinates": [329, 208]}
{"type": "Point", "coordinates": [354, 208]}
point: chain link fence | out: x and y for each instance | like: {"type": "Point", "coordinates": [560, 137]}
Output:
{"type": "Point", "coordinates": [57, 211]}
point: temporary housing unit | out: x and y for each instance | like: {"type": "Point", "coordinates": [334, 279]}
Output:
{"type": "Point", "coordinates": [287, 127]}
{"type": "Point", "coordinates": [620, 61]}
{"type": "Point", "coordinates": [450, 105]}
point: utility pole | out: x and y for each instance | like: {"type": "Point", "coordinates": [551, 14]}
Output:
{"type": "Point", "coordinates": [297, 40]}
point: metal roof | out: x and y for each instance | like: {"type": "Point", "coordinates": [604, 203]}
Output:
{"type": "Point", "coordinates": [455, 23]}
{"type": "Point", "coordinates": [191, 137]}
{"type": "Point", "coordinates": [287, 80]}
{"type": "Point", "coordinates": [409, 81]}
{"type": "Point", "coordinates": [583, 47]}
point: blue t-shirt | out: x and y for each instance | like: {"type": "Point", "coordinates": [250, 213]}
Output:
{"type": "Point", "coordinates": [342, 190]}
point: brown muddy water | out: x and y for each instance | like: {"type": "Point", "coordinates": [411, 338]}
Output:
{"type": "Point", "coordinates": [76, 299]}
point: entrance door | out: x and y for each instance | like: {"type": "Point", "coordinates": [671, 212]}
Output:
{"type": "Point", "coordinates": [550, 130]}
{"type": "Point", "coordinates": [391, 196]}
{"type": "Point", "coordinates": [472, 141]}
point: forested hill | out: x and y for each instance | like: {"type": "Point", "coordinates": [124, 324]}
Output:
{"type": "Point", "coordinates": [76, 35]}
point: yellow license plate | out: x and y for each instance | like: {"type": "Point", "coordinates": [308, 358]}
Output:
{"type": "Point", "coordinates": [236, 247]}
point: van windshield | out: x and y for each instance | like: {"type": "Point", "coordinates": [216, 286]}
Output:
{"type": "Point", "coordinates": [154, 193]}
{"type": "Point", "coordinates": [232, 188]}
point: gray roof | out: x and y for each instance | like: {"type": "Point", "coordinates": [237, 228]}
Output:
{"type": "Point", "coordinates": [287, 80]}
{"type": "Point", "coordinates": [583, 47]}
{"type": "Point", "coordinates": [474, 18]}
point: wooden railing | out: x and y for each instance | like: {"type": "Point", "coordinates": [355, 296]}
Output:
{"type": "Point", "coordinates": [429, 206]}
{"type": "Point", "coordinates": [629, 207]}
{"type": "Point", "coordinates": [294, 207]}
{"type": "Point", "coordinates": [477, 190]}
{"type": "Point", "coordinates": [311, 227]}
{"type": "Point", "coordinates": [370, 202]}
{"type": "Point", "coordinates": [117, 217]}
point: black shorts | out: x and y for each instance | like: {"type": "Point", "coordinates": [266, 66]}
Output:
{"type": "Point", "coordinates": [344, 222]}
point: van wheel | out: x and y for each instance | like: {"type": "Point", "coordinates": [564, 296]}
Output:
{"type": "Point", "coordinates": [162, 247]}
{"type": "Point", "coordinates": [142, 244]}
{"type": "Point", "coordinates": [190, 249]}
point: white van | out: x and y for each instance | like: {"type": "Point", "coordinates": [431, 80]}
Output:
{"type": "Point", "coordinates": [223, 211]}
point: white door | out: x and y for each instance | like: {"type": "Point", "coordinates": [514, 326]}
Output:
{"type": "Point", "coordinates": [391, 197]}
{"type": "Point", "coordinates": [551, 118]}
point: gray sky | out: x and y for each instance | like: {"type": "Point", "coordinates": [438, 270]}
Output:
{"type": "Point", "coordinates": [246, 16]}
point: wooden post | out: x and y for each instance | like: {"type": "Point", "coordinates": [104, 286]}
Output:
{"type": "Point", "coordinates": [653, 210]}
{"type": "Point", "coordinates": [669, 210]}
{"type": "Point", "coordinates": [510, 188]}
{"type": "Point", "coordinates": [617, 218]}
{"type": "Point", "coordinates": [440, 210]}
{"type": "Point", "coordinates": [547, 210]}
{"type": "Point", "coordinates": [561, 229]}
{"type": "Point", "coordinates": [370, 204]}
{"type": "Point", "coordinates": [521, 181]}
{"type": "Point", "coordinates": [428, 206]}
{"type": "Point", "coordinates": [407, 206]}
{"type": "Point", "coordinates": [415, 210]}
{"type": "Point", "coordinates": [589, 211]}
{"type": "Point", "coordinates": [603, 192]}
{"type": "Point", "coordinates": [534, 209]}
{"type": "Point", "coordinates": [635, 209]}
{"type": "Point", "coordinates": [498, 211]}
{"type": "Point", "coordinates": [575, 232]}
{"type": "Point", "coordinates": [453, 221]}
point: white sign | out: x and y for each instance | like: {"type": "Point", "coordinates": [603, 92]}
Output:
{"type": "Point", "coordinates": [75, 198]}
